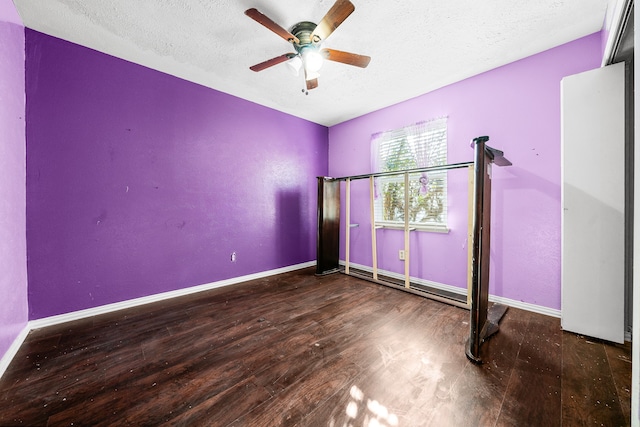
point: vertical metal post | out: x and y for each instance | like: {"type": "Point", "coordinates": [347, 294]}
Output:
{"type": "Point", "coordinates": [328, 237]}
{"type": "Point", "coordinates": [478, 312]}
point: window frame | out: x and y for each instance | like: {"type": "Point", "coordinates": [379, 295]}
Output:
{"type": "Point", "coordinates": [397, 176]}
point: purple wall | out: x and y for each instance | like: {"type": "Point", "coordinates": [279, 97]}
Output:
{"type": "Point", "coordinates": [13, 261]}
{"type": "Point", "coordinates": [9, 14]}
{"type": "Point", "coordinates": [518, 106]}
{"type": "Point", "coordinates": [140, 183]}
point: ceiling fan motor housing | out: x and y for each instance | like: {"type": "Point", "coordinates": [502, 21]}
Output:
{"type": "Point", "coordinates": [303, 30]}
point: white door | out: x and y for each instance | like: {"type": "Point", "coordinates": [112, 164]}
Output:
{"type": "Point", "coordinates": [593, 203]}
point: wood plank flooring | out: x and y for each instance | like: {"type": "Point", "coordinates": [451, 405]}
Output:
{"type": "Point", "coordinates": [297, 349]}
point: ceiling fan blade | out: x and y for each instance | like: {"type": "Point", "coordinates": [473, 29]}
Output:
{"type": "Point", "coordinates": [271, 62]}
{"type": "Point", "coordinates": [267, 22]}
{"type": "Point", "coordinates": [312, 84]}
{"type": "Point", "coordinates": [346, 58]}
{"type": "Point", "coordinates": [336, 15]}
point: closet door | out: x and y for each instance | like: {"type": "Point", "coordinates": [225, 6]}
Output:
{"type": "Point", "coordinates": [593, 203]}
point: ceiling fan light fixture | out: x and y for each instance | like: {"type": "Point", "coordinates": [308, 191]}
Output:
{"type": "Point", "coordinates": [294, 65]}
{"type": "Point", "coordinates": [312, 60]}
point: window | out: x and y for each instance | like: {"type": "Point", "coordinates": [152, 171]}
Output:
{"type": "Point", "coordinates": [421, 145]}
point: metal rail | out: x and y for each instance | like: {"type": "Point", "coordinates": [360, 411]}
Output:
{"type": "Point", "coordinates": [409, 171]}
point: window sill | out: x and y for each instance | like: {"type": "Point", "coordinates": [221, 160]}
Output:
{"type": "Point", "coordinates": [413, 227]}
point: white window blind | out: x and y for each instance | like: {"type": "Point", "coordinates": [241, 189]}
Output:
{"type": "Point", "coordinates": [420, 145]}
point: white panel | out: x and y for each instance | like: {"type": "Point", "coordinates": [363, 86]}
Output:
{"type": "Point", "coordinates": [593, 203]}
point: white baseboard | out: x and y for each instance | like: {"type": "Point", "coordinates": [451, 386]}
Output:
{"type": "Point", "coordinates": [526, 306]}
{"type": "Point", "coordinates": [13, 349]}
{"type": "Point", "coordinates": [108, 308]}
{"type": "Point", "coordinates": [463, 291]}
{"type": "Point", "coordinates": [81, 314]}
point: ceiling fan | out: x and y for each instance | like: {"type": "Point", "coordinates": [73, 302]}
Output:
{"type": "Point", "coordinates": [307, 38]}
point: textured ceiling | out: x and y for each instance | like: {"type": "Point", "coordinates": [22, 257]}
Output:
{"type": "Point", "coordinates": [416, 45]}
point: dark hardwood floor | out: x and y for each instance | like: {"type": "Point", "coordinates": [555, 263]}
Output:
{"type": "Point", "coordinates": [297, 349]}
